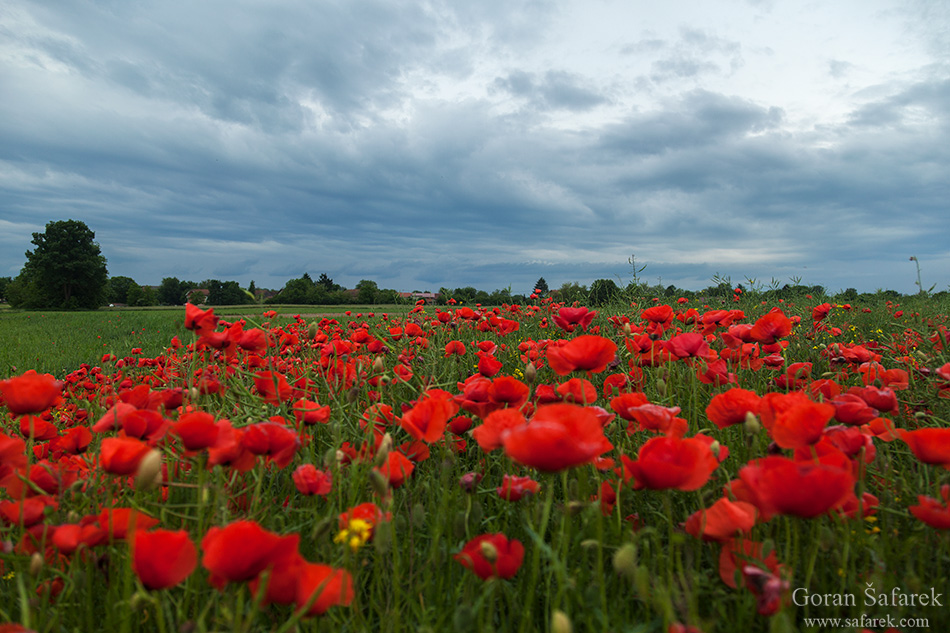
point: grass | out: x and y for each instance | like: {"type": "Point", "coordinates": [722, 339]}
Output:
{"type": "Point", "coordinates": [633, 568]}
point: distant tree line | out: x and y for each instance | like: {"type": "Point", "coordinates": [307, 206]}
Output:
{"type": "Point", "coordinates": [67, 271]}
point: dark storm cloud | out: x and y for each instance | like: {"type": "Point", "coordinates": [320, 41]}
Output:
{"type": "Point", "coordinates": [700, 118]}
{"type": "Point", "coordinates": [246, 141]}
{"type": "Point", "coordinates": [551, 91]}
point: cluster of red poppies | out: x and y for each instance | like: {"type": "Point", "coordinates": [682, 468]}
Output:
{"type": "Point", "coordinates": [152, 423]}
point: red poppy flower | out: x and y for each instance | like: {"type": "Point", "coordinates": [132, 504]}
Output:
{"type": "Point", "coordinates": [883, 399]}
{"type": "Point", "coordinates": [657, 418]}
{"type": "Point", "coordinates": [490, 434]}
{"type": "Point", "coordinates": [578, 391]}
{"type": "Point", "coordinates": [73, 441]}
{"type": "Point", "coordinates": [254, 340]}
{"type": "Point", "coordinates": [197, 430]}
{"type": "Point", "coordinates": [114, 417]}
{"type": "Point", "coordinates": [30, 392]}
{"type": "Point", "coordinates": [459, 425]}
{"type": "Point", "coordinates": [118, 523]}
{"type": "Point", "coordinates": [793, 419]}
{"type": "Point", "coordinates": [933, 512]}
{"type": "Point", "coordinates": [626, 401]}
{"type": "Point", "coordinates": [660, 314]}
{"type": "Point", "coordinates": [199, 320]}
{"type": "Point", "coordinates": [311, 481]}
{"type": "Point", "coordinates": [310, 412]}
{"type": "Point", "coordinates": [273, 439]}
{"type": "Point", "coordinates": [731, 407]}
{"type": "Point", "coordinates": [852, 409]}
{"type": "Point", "coordinates": [492, 555]}
{"type": "Point", "coordinates": [228, 449]}
{"type": "Point", "coordinates": [237, 552]}
{"type": "Point", "coordinates": [779, 485]}
{"type": "Point", "coordinates": [488, 365]}
{"type": "Point", "coordinates": [273, 387]}
{"type": "Point", "coordinates": [28, 512]}
{"type": "Point", "coordinates": [37, 428]}
{"type": "Point", "coordinates": [669, 462]}
{"type": "Point", "coordinates": [397, 468]}
{"type": "Point", "coordinates": [688, 345]}
{"type": "Point", "coordinates": [320, 587]}
{"type": "Point", "coordinates": [930, 446]}
{"type": "Point", "coordinates": [586, 353]}
{"type": "Point", "coordinates": [770, 327]}
{"type": "Point", "coordinates": [284, 573]}
{"type": "Point", "coordinates": [508, 391]}
{"type": "Point", "coordinates": [558, 436]}
{"type": "Point", "coordinates": [723, 520]}
{"type": "Point", "coordinates": [515, 488]}
{"type": "Point", "coordinates": [570, 318]}
{"type": "Point", "coordinates": [122, 455]}
{"type": "Point", "coordinates": [738, 553]}
{"type": "Point", "coordinates": [163, 558]}
{"type": "Point", "coordinates": [427, 419]}
{"type": "Point", "coordinates": [456, 348]}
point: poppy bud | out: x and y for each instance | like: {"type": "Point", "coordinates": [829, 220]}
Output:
{"type": "Point", "coordinates": [572, 508]}
{"type": "Point", "coordinates": [714, 448]}
{"type": "Point", "coordinates": [751, 423]}
{"type": "Point", "coordinates": [530, 373]}
{"type": "Point", "coordinates": [385, 445]}
{"type": "Point", "coordinates": [469, 481]}
{"type": "Point", "coordinates": [149, 474]}
{"type": "Point", "coordinates": [194, 393]}
{"type": "Point", "coordinates": [378, 365]}
{"type": "Point", "coordinates": [379, 482]}
{"type": "Point", "coordinates": [643, 579]}
{"type": "Point", "coordinates": [661, 387]}
{"type": "Point", "coordinates": [312, 331]}
{"type": "Point", "coordinates": [36, 564]}
{"type": "Point", "coordinates": [489, 551]}
{"type": "Point", "coordinates": [560, 623]}
{"type": "Point", "coordinates": [627, 329]}
{"type": "Point", "coordinates": [625, 560]}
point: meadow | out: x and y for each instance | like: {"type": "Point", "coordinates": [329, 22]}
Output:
{"type": "Point", "coordinates": [651, 466]}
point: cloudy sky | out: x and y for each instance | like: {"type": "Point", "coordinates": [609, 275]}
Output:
{"type": "Point", "coordinates": [483, 142]}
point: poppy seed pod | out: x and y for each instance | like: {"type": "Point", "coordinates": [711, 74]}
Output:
{"type": "Point", "coordinates": [149, 474]}
{"type": "Point", "coordinates": [489, 551]}
{"type": "Point", "coordinates": [751, 424]}
{"type": "Point", "coordinates": [560, 623]}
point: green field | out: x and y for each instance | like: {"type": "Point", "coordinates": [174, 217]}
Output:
{"type": "Point", "coordinates": [59, 342]}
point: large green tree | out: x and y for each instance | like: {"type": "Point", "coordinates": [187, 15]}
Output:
{"type": "Point", "coordinates": [117, 290]}
{"type": "Point", "coordinates": [171, 292]}
{"type": "Point", "coordinates": [4, 282]}
{"type": "Point", "coordinates": [602, 292]}
{"type": "Point", "coordinates": [66, 270]}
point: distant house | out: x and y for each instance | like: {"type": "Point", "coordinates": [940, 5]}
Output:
{"type": "Point", "coordinates": [428, 297]}
{"type": "Point", "coordinates": [197, 296]}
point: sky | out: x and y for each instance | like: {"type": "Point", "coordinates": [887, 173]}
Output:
{"type": "Point", "coordinates": [484, 143]}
